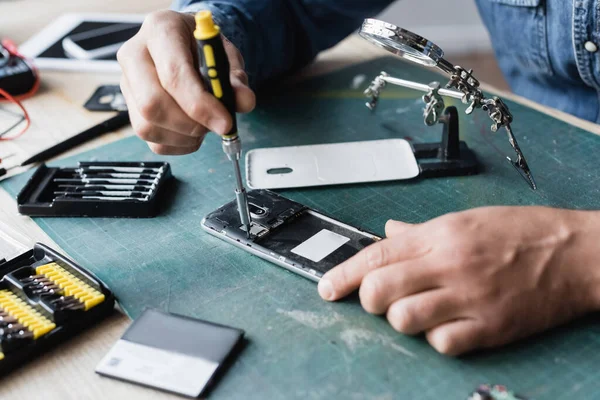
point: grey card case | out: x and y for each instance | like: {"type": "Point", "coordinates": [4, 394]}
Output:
{"type": "Point", "coordinates": [171, 352]}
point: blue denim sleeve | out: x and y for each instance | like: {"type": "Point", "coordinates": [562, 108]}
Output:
{"type": "Point", "coordinates": [278, 36]}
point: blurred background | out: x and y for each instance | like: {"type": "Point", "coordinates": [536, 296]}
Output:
{"type": "Point", "coordinates": [454, 25]}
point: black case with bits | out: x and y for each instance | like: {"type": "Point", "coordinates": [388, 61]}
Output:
{"type": "Point", "coordinates": [41, 309]}
{"type": "Point", "coordinates": [96, 189]}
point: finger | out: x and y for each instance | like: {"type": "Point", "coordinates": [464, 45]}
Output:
{"type": "Point", "coordinates": [245, 97]}
{"type": "Point", "coordinates": [383, 286]}
{"type": "Point", "coordinates": [174, 61]}
{"type": "Point", "coordinates": [396, 228]}
{"type": "Point", "coordinates": [146, 94]}
{"type": "Point", "coordinates": [346, 277]}
{"type": "Point", "coordinates": [155, 134]}
{"type": "Point", "coordinates": [424, 311]}
{"type": "Point", "coordinates": [172, 151]}
{"type": "Point", "coordinates": [457, 337]}
{"type": "Point", "coordinates": [236, 61]}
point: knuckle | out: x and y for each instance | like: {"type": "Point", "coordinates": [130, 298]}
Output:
{"type": "Point", "coordinates": [402, 318]}
{"type": "Point", "coordinates": [370, 293]}
{"type": "Point", "coordinates": [449, 228]}
{"type": "Point", "coordinates": [173, 74]}
{"type": "Point", "coordinates": [150, 108]}
{"type": "Point", "coordinates": [240, 74]}
{"type": "Point", "coordinates": [199, 111]}
{"type": "Point", "coordinates": [125, 52]}
{"type": "Point", "coordinates": [496, 322]}
{"type": "Point", "coordinates": [424, 309]}
{"type": "Point", "coordinates": [144, 130]}
{"type": "Point", "coordinates": [375, 256]}
{"type": "Point", "coordinates": [156, 18]}
{"type": "Point", "coordinates": [195, 147]}
{"type": "Point", "coordinates": [456, 259]}
{"type": "Point", "coordinates": [157, 148]}
{"type": "Point", "coordinates": [199, 132]}
{"type": "Point", "coordinates": [443, 343]}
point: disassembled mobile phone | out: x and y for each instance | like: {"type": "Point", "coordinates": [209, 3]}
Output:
{"type": "Point", "coordinates": [289, 234]}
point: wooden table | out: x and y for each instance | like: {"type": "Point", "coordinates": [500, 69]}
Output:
{"type": "Point", "coordinates": [67, 372]}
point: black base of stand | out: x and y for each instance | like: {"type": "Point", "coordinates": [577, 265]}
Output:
{"type": "Point", "coordinates": [450, 157]}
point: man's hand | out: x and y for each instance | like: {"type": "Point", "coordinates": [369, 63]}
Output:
{"type": "Point", "coordinates": [479, 278]}
{"type": "Point", "coordinates": [168, 105]}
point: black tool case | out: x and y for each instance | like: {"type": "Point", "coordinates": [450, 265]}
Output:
{"type": "Point", "coordinates": [39, 199]}
{"type": "Point", "coordinates": [34, 317]}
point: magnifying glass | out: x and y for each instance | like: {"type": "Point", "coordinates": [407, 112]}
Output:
{"type": "Point", "coordinates": [420, 50]}
{"type": "Point", "coordinates": [405, 44]}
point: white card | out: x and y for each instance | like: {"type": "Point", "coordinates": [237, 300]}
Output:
{"type": "Point", "coordinates": [320, 245]}
{"type": "Point", "coordinates": [157, 368]}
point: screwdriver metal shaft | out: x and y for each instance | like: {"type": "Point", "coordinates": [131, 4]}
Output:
{"type": "Point", "coordinates": [214, 68]}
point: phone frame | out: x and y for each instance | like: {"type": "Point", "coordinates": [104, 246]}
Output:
{"type": "Point", "coordinates": [277, 259]}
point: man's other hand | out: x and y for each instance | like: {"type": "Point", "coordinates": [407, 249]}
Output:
{"type": "Point", "coordinates": [479, 278]}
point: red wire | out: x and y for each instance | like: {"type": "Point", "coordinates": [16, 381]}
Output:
{"type": "Point", "coordinates": [25, 114]}
{"type": "Point", "coordinates": [12, 49]}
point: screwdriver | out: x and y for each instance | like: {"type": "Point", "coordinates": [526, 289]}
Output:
{"type": "Point", "coordinates": [214, 68]}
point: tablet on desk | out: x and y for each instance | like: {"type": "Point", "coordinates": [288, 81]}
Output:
{"type": "Point", "coordinates": [82, 42]}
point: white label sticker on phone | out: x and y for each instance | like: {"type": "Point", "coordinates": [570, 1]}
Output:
{"type": "Point", "coordinates": [320, 245]}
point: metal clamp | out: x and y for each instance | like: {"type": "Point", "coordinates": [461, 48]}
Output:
{"type": "Point", "coordinates": [374, 90]}
{"type": "Point", "coordinates": [463, 86]}
{"type": "Point", "coordinates": [434, 104]}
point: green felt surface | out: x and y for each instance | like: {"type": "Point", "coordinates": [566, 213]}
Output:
{"type": "Point", "coordinates": [300, 346]}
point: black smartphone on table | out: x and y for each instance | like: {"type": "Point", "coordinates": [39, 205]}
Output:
{"type": "Point", "coordinates": [289, 234]}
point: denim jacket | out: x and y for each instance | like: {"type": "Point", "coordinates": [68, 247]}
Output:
{"type": "Point", "coordinates": [547, 49]}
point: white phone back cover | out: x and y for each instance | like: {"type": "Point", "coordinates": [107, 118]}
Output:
{"type": "Point", "coordinates": [331, 164]}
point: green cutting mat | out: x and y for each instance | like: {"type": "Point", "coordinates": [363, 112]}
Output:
{"type": "Point", "coordinates": [300, 346]}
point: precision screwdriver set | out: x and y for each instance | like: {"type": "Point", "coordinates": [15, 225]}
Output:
{"type": "Point", "coordinates": [96, 189]}
{"type": "Point", "coordinates": [45, 298]}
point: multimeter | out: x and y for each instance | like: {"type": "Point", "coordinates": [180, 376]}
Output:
{"type": "Point", "coordinates": [18, 77]}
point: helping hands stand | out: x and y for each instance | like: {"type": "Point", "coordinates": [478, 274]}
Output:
{"type": "Point", "coordinates": [461, 85]}
{"type": "Point", "coordinates": [452, 156]}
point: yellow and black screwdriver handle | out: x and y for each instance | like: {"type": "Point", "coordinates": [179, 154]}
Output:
{"type": "Point", "coordinates": [214, 64]}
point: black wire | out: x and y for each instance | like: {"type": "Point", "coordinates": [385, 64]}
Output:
{"type": "Point", "coordinates": [18, 114]}
{"type": "Point", "coordinates": [13, 126]}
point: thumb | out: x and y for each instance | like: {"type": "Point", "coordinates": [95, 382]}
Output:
{"type": "Point", "coordinates": [244, 96]}
{"type": "Point", "coordinates": [396, 228]}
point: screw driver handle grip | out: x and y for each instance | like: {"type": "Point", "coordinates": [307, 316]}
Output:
{"type": "Point", "coordinates": [214, 65]}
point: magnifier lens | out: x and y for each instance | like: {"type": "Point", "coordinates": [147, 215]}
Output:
{"type": "Point", "coordinates": [401, 42]}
